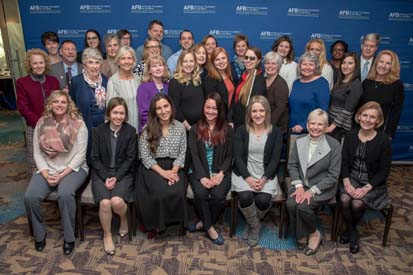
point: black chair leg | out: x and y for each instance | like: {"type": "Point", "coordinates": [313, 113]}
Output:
{"type": "Point", "coordinates": [388, 223]}
{"type": "Point", "coordinates": [282, 220]}
{"type": "Point", "coordinates": [234, 209]}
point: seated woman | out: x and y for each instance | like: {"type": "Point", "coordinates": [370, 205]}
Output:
{"type": "Point", "coordinates": [314, 167]}
{"type": "Point", "coordinates": [257, 150]}
{"type": "Point", "coordinates": [365, 168]}
{"type": "Point", "coordinates": [210, 144]}
{"type": "Point", "coordinates": [60, 142]}
{"type": "Point", "coordinates": [113, 159]}
{"type": "Point", "coordinates": [160, 185]}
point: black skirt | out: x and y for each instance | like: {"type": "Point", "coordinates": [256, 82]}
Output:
{"type": "Point", "coordinates": [159, 203]}
{"type": "Point", "coordinates": [122, 189]}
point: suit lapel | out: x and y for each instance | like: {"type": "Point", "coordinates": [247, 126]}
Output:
{"type": "Point", "coordinates": [320, 152]}
{"type": "Point", "coordinates": [303, 145]}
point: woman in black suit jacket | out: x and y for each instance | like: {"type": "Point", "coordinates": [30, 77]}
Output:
{"type": "Point", "coordinates": [365, 168]}
{"type": "Point", "coordinates": [252, 83]}
{"type": "Point", "coordinates": [210, 144]}
{"type": "Point", "coordinates": [113, 158]}
{"type": "Point", "coordinates": [257, 150]}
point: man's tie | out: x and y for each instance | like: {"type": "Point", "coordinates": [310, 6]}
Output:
{"type": "Point", "coordinates": [69, 77]}
{"type": "Point", "coordinates": [365, 70]}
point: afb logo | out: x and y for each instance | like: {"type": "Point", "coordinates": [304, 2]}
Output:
{"type": "Point", "coordinates": [408, 86]}
{"type": "Point", "coordinates": [199, 9]}
{"type": "Point", "coordinates": [71, 33]}
{"type": "Point", "coordinates": [398, 16]}
{"type": "Point", "coordinates": [349, 14]}
{"type": "Point", "coordinates": [244, 10]}
{"type": "Point", "coordinates": [272, 35]}
{"type": "Point", "coordinates": [303, 12]}
{"type": "Point", "coordinates": [95, 9]}
{"type": "Point", "coordinates": [35, 9]}
{"type": "Point", "coordinates": [223, 33]}
{"type": "Point", "coordinates": [171, 33]}
{"type": "Point", "coordinates": [404, 64]}
{"type": "Point", "coordinates": [114, 31]}
{"type": "Point", "coordinates": [326, 36]}
{"type": "Point", "coordinates": [147, 9]}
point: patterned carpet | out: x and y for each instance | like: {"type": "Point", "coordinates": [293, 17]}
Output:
{"type": "Point", "coordinates": [194, 253]}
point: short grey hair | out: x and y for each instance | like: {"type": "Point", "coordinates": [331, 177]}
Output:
{"type": "Point", "coordinates": [91, 53]}
{"type": "Point", "coordinates": [373, 37]}
{"type": "Point", "coordinates": [122, 51]}
{"type": "Point", "coordinates": [274, 56]}
{"type": "Point", "coordinates": [109, 36]}
{"type": "Point", "coordinates": [307, 56]}
{"type": "Point", "coordinates": [318, 113]}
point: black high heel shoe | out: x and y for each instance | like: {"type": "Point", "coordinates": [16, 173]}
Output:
{"type": "Point", "coordinates": [39, 246]}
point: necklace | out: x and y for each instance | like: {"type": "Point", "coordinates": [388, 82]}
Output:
{"type": "Point", "coordinates": [377, 84]}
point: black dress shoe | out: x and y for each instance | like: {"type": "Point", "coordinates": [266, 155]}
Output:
{"type": "Point", "coordinates": [354, 248]}
{"type": "Point", "coordinates": [344, 237]}
{"type": "Point", "coordinates": [354, 242]}
{"type": "Point", "coordinates": [68, 247]}
{"type": "Point", "coordinates": [40, 245]}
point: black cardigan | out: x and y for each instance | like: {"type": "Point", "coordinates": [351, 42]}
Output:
{"type": "Point", "coordinates": [222, 155]}
{"type": "Point", "coordinates": [272, 152]}
{"type": "Point", "coordinates": [211, 85]}
{"type": "Point", "coordinates": [378, 156]}
{"type": "Point", "coordinates": [126, 151]}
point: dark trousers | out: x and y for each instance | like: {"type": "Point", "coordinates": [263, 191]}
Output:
{"type": "Point", "coordinates": [262, 200]}
{"type": "Point", "coordinates": [209, 203]}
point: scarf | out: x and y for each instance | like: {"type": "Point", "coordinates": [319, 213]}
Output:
{"type": "Point", "coordinates": [100, 91]}
{"type": "Point", "coordinates": [240, 62]}
{"type": "Point", "coordinates": [58, 137]}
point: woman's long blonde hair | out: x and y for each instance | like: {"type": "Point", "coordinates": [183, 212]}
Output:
{"type": "Point", "coordinates": [322, 58]}
{"type": "Point", "coordinates": [179, 73]}
{"type": "Point", "coordinates": [394, 73]}
{"type": "Point", "coordinates": [72, 110]}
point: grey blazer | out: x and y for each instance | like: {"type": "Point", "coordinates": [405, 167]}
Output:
{"type": "Point", "coordinates": [321, 172]}
{"type": "Point", "coordinates": [57, 70]}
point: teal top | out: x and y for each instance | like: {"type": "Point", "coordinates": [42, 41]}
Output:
{"type": "Point", "coordinates": [209, 155]}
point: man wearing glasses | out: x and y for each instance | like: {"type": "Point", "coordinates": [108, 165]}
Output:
{"type": "Point", "coordinates": [369, 47]}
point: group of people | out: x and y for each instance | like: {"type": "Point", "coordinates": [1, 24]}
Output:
{"type": "Point", "coordinates": [149, 122]}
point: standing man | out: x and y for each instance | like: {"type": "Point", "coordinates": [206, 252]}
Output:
{"type": "Point", "coordinates": [369, 47]}
{"type": "Point", "coordinates": [155, 30]}
{"type": "Point", "coordinates": [186, 40]}
{"type": "Point", "coordinates": [68, 68]}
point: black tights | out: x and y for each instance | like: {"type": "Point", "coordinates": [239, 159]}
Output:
{"type": "Point", "coordinates": [353, 211]}
{"type": "Point", "coordinates": [262, 200]}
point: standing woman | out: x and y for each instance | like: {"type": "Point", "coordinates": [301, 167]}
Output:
{"type": "Point", "coordinates": [125, 84]}
{"type": "Point", "coordinates": [60, 141]}
{"type": "Point", "coordinates": [240, 46]}
{"type": "Point", "coordinates": [202, 59]}
{"type": "Point", "coordinates": [252, 83]}
{"type": "Point", "coordinates": [314, 167]}
{"type": "Point", "coordinates": [210, 144]}
{"type": "Point", "coordinates": [365, 168]}
{"type": "Point", "coordinates": [277, 91]}
{"type": "Point", "coordinates": [309, 92]}
{"type": "Point", "coordinates": [152, 47]}
{"type": "Point", "coordinates": [109, 66]}
{"type": "Point", "coordinates": [345, 97]}
{"type": "Point", "coordinates": [219, 77]}
{"type": "Point", "coordinates": [338, 50]}
{"type": "Point", "coordinates": [32, 92]}
{"type": "Point", "coordinates": [155, 80]}
{"type": "Point", "coordinates": [257, 152]}
{"type": "Point", "coordinates": [384, 86]}
{"type": "Point", "coordinates": [316, 46]}
{"type": "Point", "coordinates": [160, 186]}
{"type": "Point", "coordinates": [210, 43]}
{"type": "Point", "coordinates": [88, 91]}
{"type": "Point", "coordinates": [92, 40]}
{"type": "Point", "coordinates": [186, 91]}
{"type": "Point", "coordinates": [113, 159]}
{"type": "Point", "coordinates": [284, 46]}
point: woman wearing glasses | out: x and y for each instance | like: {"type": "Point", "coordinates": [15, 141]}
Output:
{"type": "Point", "coordinates": [152, 46]}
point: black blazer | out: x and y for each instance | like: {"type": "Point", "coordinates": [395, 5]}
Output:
{"type": "Point", "coordinates": [272, 152]}
{"type": "Point", "coordinates": [126, 151]}
{"type": "Point", "coordinates": [211, 85]}
{"type": "Point", "coordinates": [237, 110]}
{"type": "Point", "coordinates": [222, 155]}
{"type": "Point", "coordinates": [378, 156]}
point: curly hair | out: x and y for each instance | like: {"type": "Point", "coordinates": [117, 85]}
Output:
{"type": "Point", "coordinates": [36, 51]}
{"type": "Point", "coordinates": [394, 73]}
{"type": "Point", "coordinates": [72, 110]}
{"type": "Point", "coordinates": [179, 74]}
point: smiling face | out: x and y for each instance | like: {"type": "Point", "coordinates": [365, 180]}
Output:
{"type": "Point", "coordinates": [284, 49]}
{"type": "Point", "coordinates": [156, 31]}
{"type": "Point", "coordinates": [383, 66]}
{"type": "Point", "coordinates": [51, 47]}
{"type": "Point", "coordinates": [163, 110]}
{"type": "Point", "coordinates": [315, 48]}
{"type": "Point", "coordinates": [153, 48]}
{"type": "Point", "coordinates": [316, 126]}
{"type": "Point", "coordinates": [210, 110]}
{"type": "Point", "coordinates": [368, 119]}
{"type": "Point", "coordinates": [157, 69]}
{"type": "Point", "coordinates": [125, 62]}
{"type": "Point", "coordinates": [210, 44]}
{"type": "Point", "coordinates": [117, 115]}
{"type": "Point", "coordinates": [92, 40]}
{"type": "Point", "coordinates": [251, 60]}
{"type": "Point", "coordinates": [271, 67]}
{"type": "Point", "coordinates": [338, 51]}
{"type": "Point", "coordinates": [125, 40]}
{"type": "Point", "coordinates": [38, 64]}
{"type": "Point", "coordinates": [92, 67]}
{"type": "Point", "coordinates": [112, 47]}
{"type": "Point", "coordinates": [307, 68]}
{"type": "Point", "coordinates": [186, 40]}
{"type": "Point", "coordinates": [348, 66]}
{"type": "Point", "coordinates": [59, 107]}
{"type": "Point", "coordinates": [221, 62]}
{"type": "Point", "coordinates": [188, 64]}
{"type": "Point", "coordinates": [201, 56]}
{"type": "Point", "coordinates": [68, 52]}
{"type": "Point", "coordinates": [240, 48]}
{"type": "Point", "coordinates": [368, 49]}
{"type": "Point", "coordinates": [257, 114]}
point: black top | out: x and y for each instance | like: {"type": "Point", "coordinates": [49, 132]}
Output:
{"type": "Point", "coordinates": [272, 152]}
{"type": "Point", "coordinates": [277, 95]}
{"type": "Point", "coordinates": [126, 151]}
{"type": "Point", "coordinates": [188, 100]}
{"type": "Point", "coordinates": [222, 155]}
{"type": "Point", "coordinates": [211, 85]}
{"type": "Point", "coordinates": [390, 97]}
{"type": "Point", "coordinates": [378, 156]}
{"type": "Point", "coordinates": [236, 113]}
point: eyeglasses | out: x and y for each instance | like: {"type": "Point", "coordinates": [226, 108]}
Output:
{"type": "Point", "coordinates": [125, 38]}
{"type": "Point", "coordinates": [250, 58]}
{"type": "Point", "coordinates": [92, 38]}
{"type": "Point", "coordinates": [152, 47]}
{"type": "Point", "coordinates": [369, 46]}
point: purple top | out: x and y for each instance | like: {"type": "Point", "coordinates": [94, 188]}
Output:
{"type": "Point", "coordinates": [144, 95]}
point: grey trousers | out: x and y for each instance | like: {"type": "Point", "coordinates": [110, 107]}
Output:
{"type": "Point", "coordinates": [39, 189]}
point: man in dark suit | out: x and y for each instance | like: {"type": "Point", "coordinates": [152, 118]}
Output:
{"type": "Point", "coordinates": [369, 47]}
{"type": "Point", "coordinates": [68, 68]}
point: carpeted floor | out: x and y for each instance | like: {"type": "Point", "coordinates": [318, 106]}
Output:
{"type": "Point", "coordinates": [194, 253]}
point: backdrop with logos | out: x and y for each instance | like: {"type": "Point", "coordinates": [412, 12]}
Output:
{"type": "Point", "coordinates": [262, 20]}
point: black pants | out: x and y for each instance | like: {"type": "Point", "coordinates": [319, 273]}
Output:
{"type": "Point", "coordinates": [209, 203]}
